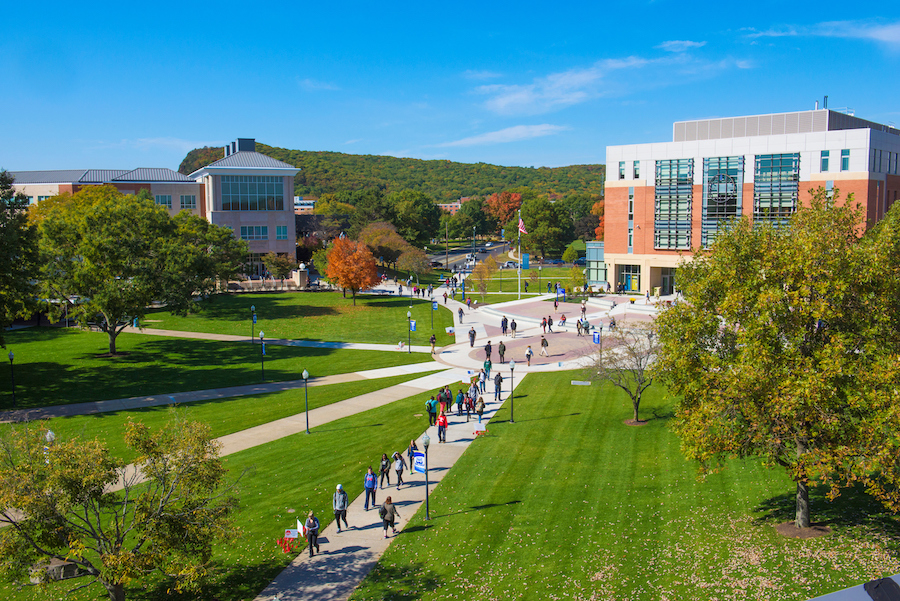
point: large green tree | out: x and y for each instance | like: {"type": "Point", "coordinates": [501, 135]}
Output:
{"type": "Point", "coordinates": [548, 225]}
{"type": "Point", "coordinates": [417, 217]}
{"type": "Point", "coordinates": [164, 518]}
{"type": "Point", "coordinates": [787, 347]}
{"type": "Point", "coordinates": [18, 255]}
{"type": "Point", "coordinates": [114, 254]}
{"type": "Point", "coordinates": [471, 215]}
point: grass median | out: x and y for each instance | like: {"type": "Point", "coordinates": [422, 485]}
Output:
{"type": "Point", "coordinates": [313, 316]}
{"type": "Point", "coordinates": [57, 366]}
{"type": "Point", "coordinates": [570, 503]}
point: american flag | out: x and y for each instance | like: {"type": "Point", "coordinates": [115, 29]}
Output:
{"type": "Point", "coordinates": [522, 226]}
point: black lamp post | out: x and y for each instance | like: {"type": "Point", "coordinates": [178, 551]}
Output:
{"type": "Point", "coordinates": [473, 240]}
{"type": "Point", "coordinates": [12, 377]}
{"type": "Point", "coordinates": [409, 331]}
{"type": "Point", "coordinates": [305, 375]}
{"type": "Point", "coordinates": [426, 440]}
{"type": "Point", "coordinates": [252, 321]}
{"type": "Point", "coordinates": [512, 390]}
{"type": "Point", "coordinates": [262, 355]}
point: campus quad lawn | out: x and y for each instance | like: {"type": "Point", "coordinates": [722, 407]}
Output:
{"type": "Point", "coordinates": [296, 473]}
{"type": "Point", "coordinates": [570, 503]}
{"type": "Point", "coordinates": [313, 316]}
{"type": "Point", "coordinates": [224, 416]}
{"type": "Point", "coordinates": [57, 366]}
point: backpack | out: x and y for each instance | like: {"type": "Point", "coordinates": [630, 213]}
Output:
{"type": "Point", "coordinates": [382, 512]}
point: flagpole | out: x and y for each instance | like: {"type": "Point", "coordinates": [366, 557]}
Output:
{"type": "Point", "coordinates": [519, 269]}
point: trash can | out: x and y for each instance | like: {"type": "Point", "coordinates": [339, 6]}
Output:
{"type": "Point", "coordinates": [656, 291]}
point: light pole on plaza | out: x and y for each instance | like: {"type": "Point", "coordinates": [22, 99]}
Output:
{"type": "Point", "coordinates": [408, 331]}
{"type": "Point", "coordinates": [12, 377]}
{"type": "Point", "coordinates": [512, 389]}
{"type": "Point", "coordinates": [262, 355]}
{"type": "Point", "coordinates": [426, 440]}
{"type": "Point", "coordinates": [252, 321]}
{"type": "Point", "coordinates": [305, 375]}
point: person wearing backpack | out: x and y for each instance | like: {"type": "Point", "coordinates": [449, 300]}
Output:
{"type": "Point", "coordinates": [388, 514]}
{"type": "Point", "coordinates": [431, 408]}
{"type": "Point", "coordinates": [544, 345]}
{"type": "Point", "coordinates": [399, 464]}
{"type": "Point", "coordinates": [341, 503]}
{"type": "Point", "coordinates": [312, 532]}
{"type": "Point", "coordinates": [442, 427]}
{"type": "Point", "coordinates": [479, 408]}
{"type": "Point", "coordinates": [460, 400]}
{"type": "Point", "coordinates": [528, 355]}
{"type": "Point", "coordinates": [370, 483]}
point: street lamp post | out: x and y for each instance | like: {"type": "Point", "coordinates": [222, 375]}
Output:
{"type": "Point", "coordinates": [409, 331]}
{"type": "Point", "coordinates": [473, 240]}
{"type": "Point", "coordinates": [426, 440]}
{"type": "Point", "coordinates": [512, 389]}
{"type": "Point", "coordinates": [262, 355]}
{"type": "Point", "coordinates": [12, 377]}
{"type": "Point", "coordinates": [252, 321]}
{"type": "Point", "coordinates": [305, 375]}
{"type": "Point", "coordinates": [539, 279]}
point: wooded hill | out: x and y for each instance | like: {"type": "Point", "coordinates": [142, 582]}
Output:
{"type": "Point", "coordinates": [323, 172]}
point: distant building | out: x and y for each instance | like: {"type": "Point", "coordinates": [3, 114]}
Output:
{"type": "Point", "coordinates": [454, 206]}
{"type": "Point", "coordinates": [245, 191]}
{"type": "Point", "coordinates": [305, 205]}
{"type": "Point", "coordinates": [665, 199]}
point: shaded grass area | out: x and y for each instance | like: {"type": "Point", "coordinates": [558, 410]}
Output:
{"type": "Point", "coordinates": [224, 416]}
{"type": "Point", "coordinates": [56, 366]}
{"type": "Point", "coordinates": [296, 473]}
{"type": "Point", "coordinates": [312, 316]}
{"type": "Point", "coordinates": [569, 503]}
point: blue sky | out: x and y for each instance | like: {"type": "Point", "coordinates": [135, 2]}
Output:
{"type": "Point", "coordinates": [102, 85]}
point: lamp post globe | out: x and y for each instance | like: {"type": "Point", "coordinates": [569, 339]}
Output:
{"type": "Point", "coordinates": [305, 375]}
{"type": "Point", "coordinates": [12, 377]}
{"type": "Point", "coordinates": [262, 354]}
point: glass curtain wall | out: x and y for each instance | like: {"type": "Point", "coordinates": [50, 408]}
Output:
{"type": "Point", "coordinates": [776, 188]}
{"type": "Point", "coordinates": [674, 193]}
{"type": "Point", "coordinates": [723, 183]}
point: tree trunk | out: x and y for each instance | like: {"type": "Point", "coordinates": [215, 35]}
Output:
{"type": "Point", "coordinates": [801, 520]}
{"type": "Point", "coordinates": [354, 298]}
{"type": "Point", "coordinates": [116, 591]}
{"type": "Point", "coordinates": [636, 404]}
{"type": "Point", "coordinates": [112, 340]}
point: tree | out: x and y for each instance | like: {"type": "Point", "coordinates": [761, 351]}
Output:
{"type": "Point", "coordinates": [116, 254]}
{"type": "Point", "coordinates": [599, 211]}
{"type": "Point", "coordinates": [280, 266]}
{"type": "Point", "coordinates": [503, 206]}
{"type": "Point", "coordinates": [351, 266]}
{"type": "Point", "coordinates": [786, 349]}
{"type": "Point", "coordinates": [482, 275]}
{"type": "Point", "coordinates": [471, 215]}
{"type": "Point", "coordinates": [164, 518]}
{"type": "Point", "coordinates": [18, 255]}
{"type": "Point", "coordinates": [549, 229]}
{"type": "Point", "coordinates": [414, 260]}
{"type": "Point", "coordinates": [623, 360]}
{"type": "Point", "coordinates": [417, 217]}
{"type": "Point", "coordinates": [570, 254]}
{"type": "Point", "coordinates": [576, 279]}
{"type": "Point", "coordinates": [383, 240]}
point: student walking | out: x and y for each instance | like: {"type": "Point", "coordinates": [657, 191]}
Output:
{"type": "Point", "coordinates": [528, 355]}
{"type": "Point", "coordinates": [482, 380]}
{"type": "Point", "coordinates": [487, 350]}
{"type": "Point", "coordinates": [340, 503]}
{"type": "Point", "coordinates": [479, 408]}
{"type": "Point", "coordinates": [385, 470]}
{"type": "Point", "coordinates": [312, 532]}
{"type": "Point", "coordinates": [501, 350]}
{"type": "Point", "coordinates": [432, 340]}
{"type": "Point", "coordinates": [411, 451]}
{"type": "Point", "coordinates": [388, 514]}
{"type": "Point", "coordinates": [504, 323]}
{"type": "Point", "coordinates": [370, 484]}
{"type": "Point", "coordinates": [460, 400]}
{"type": "Point", "coordinates": [498, 382]}
{"type": "Point", "coordinates": [487, 369]}
{"type": "Point", "coordinates": [512, 326]}
{"type": "Point", "coordinates": [544, 325]}
{"type": "Point", "coordinates": [442, 427]}
{"type": "Point", "coordinates": [460, 314]}
{"type": "Point", "coordinates": [578, 326]}
{"type": "Point", "coordinates": [544, 353]}
{"type": "Point", "coordinates": [471, 336]}
{"type": "Point", "coordinates": [550, 324]}
{"type": "Point", "coordinates": [431, 407]}
{"type": "Point", "coordinates": [399, 464]}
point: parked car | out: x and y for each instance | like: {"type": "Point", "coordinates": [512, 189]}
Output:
{"type": "Point", "coordinates": [580, 261]}
{"type": "Point", "coordinates": [554, 262]}
{"type": "Point", "coordinates": [437, 264]}
{"type": "Point", "coordinates": [510, 265]}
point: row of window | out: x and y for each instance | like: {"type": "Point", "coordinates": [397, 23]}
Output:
{"type": "Point", "coordinates": [884, 161]}
{"type": "Point", "coordinates": [188, 201]}
{"type": "Point", "coordinates": [826, 155]}
{"type": "Point", "coordinates": [261, 232]}
{"type": "Point", "coordinates": [252, 193]}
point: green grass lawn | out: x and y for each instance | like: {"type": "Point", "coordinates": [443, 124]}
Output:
{"type": "Point", "coordinates": [312, 316]}
{"type": "Point", "coordinates": [224, 416]}
{"type": "Point", "coordinates": [296, 473]}
{"type": "Point", "coordinates": [570, 503]}
{"type": "Point", "coordinates": [56, 366]}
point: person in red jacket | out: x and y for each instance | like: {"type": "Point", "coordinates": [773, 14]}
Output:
{"type": "Point", "coordinates": [442, 427]}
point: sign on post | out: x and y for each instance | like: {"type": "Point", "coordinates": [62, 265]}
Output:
{"type": "Point", "coordinates": [596, 337]}
{"type": "Point", "coordinates": [412, 325]}
{"type": "Point", "coordinates": [264, 349]}
{"type": "Point", "coordinates": [418, 465]}
{"type": "Point", "coordinates": [434, 305]}
{"type": "Point", "coordinates": [254, 318]}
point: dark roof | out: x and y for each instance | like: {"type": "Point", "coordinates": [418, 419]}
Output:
{"type": "Point", "coordinates": [59, 176]}
{"type": "Point", "coordinates": [100, 176]}
{"type": "Point", "coordinates": [244, 159]}
{"type": "Point", "coordinates": [152, 174]}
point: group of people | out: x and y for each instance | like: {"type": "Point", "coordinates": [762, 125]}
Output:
{"type": "Point", "coordinates": [507, 326]}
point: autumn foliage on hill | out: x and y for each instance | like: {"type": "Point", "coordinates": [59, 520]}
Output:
{"type": "Point", "coordinates": [503, 206]}
{"type": "Point", "coordinates": [351, 266]}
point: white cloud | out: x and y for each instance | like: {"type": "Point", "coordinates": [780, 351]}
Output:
{"type": "Point", "coordinates": [354, 141]}
{"type": "Point", "coordinates": [680, 45]}
{"type": "Point", "coordinates": [472, 74]}
{"type": "Point", "coordinates": [312, 85]}
{"type": "Point", "coordinates": [510, 134]}
{"type": "Point", "coordinates": [885, 33]}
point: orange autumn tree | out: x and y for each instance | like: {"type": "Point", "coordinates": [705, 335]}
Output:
{"type": "Point", "coordinates": [502, 206]}
{"type": "Point", "coordinates": [599, 210]}
{"type": "Point", "coordinates": [351, 266]}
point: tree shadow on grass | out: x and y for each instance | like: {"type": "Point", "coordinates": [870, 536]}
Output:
{"type": "Point", "coordinates": [229, 582]}
{"type": "Point", "coordinates": [853, 508]}
{"type": "Point", "coordinates": [477, 508]}
{"type": "Point", "coordinates": [402, 583]}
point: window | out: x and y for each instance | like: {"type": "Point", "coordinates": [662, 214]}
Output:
{"type": "Point", "coordinates": [829, 188]}
{"type": "Point", "coordinates": [631, 240]}
{"type": "Point", "coordinates": [637, 170]}
{"type": "Point", "coordinates": [621, 169]}
{"type": "Point", "coordinates": [40, 198]}
{"type": "Point", "coordinates": [255, 232]}
{"type": "Point", "coordinates": [776, 189]}
{"type": "Point", "coordinates": [630, 205]}
{"type": "Point", "coordinates": [252, 193]}
{"type": "Point", "coordinates": [629, 277]}
{"type": "Point", "coordinates": [845, 160]}
{"type": "Point", "coordinates": [164, 200]}
{"type": "Point", "coordinates": [281, 232]}
{"type": "Point", "coordinates": [188, 202]}
{"type": "Point", "coordinates": [823, 166]}
{"type": "Point", "coordinates": [723, 184]}
{"type": "Point", "coordinates": [673, 195]}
